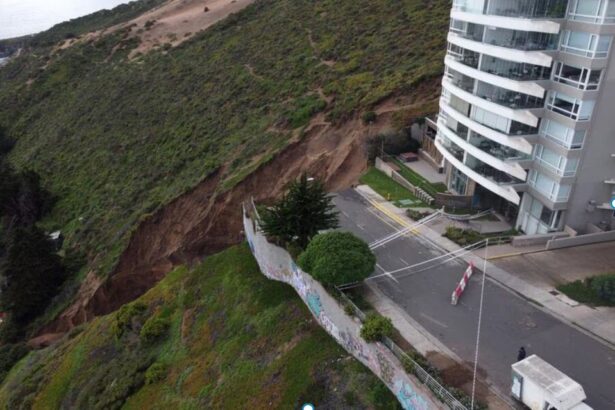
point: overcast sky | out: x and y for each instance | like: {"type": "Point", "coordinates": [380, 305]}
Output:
{"type": "Point", "coordinates": [21, 17]}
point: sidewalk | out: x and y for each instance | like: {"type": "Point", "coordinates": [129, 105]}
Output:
{"type": "Point", "coordinates": [599, 323]}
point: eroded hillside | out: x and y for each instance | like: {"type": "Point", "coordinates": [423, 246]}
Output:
{"type": "Point", "coordinates": [151, 154]}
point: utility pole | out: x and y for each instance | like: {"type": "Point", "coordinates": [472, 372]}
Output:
{"type": "Point", "coordinates": [480, 317]}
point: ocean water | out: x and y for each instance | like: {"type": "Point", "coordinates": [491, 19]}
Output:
{"type": "Point", "coordinates": [22, 17]}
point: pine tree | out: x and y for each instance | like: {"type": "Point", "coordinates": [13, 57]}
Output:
{"type": "Point", "coordinates": [31, 274]}
{"type": "Point", "coordinates": [304, 210]}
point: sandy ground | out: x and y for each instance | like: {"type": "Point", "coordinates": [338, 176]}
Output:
{"type": "Point", "coordinates": [171, 23]}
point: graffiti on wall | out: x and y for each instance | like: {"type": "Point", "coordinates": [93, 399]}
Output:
{"type": "Point", "coordinates": [386, 369]}
{"type": "Point", "coordinates": [409, 398]}
{"type": "Point", "coordinates": [278, 265]}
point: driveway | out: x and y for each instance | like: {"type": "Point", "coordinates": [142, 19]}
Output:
{"type": "Point", "coordinates": [508, 320]}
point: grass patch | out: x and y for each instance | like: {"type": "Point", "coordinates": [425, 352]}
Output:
{"type": "Point", "coordinates": [583, 292]}
{"type": "Point", "coordinates": [418, 180]}
{"type": "Point", "coordinates": [389, 189]}
{"type": "Point", "coordinates": [236, 340]}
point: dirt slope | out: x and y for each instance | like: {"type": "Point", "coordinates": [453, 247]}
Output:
{"type": "Point", "coordinates": [202, 222]}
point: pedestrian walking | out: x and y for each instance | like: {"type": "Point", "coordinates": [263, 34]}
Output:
{"type": "Point", "coordinates": [522, 354]}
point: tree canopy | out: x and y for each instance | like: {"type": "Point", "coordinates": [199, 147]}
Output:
{"type": "Point", "coordinates": [304, 210]}
{"type": "Point", "coordinates": [337, 258]}
{"type": "Point", "coordinates": [32, 274]}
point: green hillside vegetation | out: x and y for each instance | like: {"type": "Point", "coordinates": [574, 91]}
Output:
{"type": "Point", "coordinates": [217, 336]}
{"type": "Point", "coordinates": [115, 140]}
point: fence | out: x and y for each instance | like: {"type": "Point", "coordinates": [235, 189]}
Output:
{"type": "Point", "coordinates": [397, 177]}
{"type": "Point", "coordinates": [423, 375]}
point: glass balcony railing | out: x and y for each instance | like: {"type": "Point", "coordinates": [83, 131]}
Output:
{"type": "Point", "coordinates": [496, 149]}
{"type": "Point", "coordinates": [521, 40]}
{"type": "Point", "coordinates": [507, 98]}
{"type": "Point", "coordinates": [513, 70]}
{"type": "Point", "coordinates": [514, 8]}
{"type": "Point", "coordinates": [454, 149]}
{"type": "Point", "coordinates": [491, 173]}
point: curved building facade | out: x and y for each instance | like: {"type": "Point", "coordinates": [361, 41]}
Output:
{"type": "Point", "coordinates": [527, 112]}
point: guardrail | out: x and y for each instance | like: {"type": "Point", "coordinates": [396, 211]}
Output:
{"type": "Point", "coordinates": [423, 375]}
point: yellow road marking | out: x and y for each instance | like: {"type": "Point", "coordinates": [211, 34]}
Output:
{"type": "Point", "coordinates": [392, 215]}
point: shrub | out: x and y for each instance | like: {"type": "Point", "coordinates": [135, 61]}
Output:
{"type": "Point", "coordinates": [153, 329]}
{"type": "Point", "coordinates": [337, 258]}
{"type": "Point", "coordinates": [369, 117]}
{"type": "Point", "coordinates": [604, 286]}
{"type": "Point", "coordinates": [9, 355]}
{"type": "Point", "coordinates": [155, 373]}
{"type": "Point", "coordinates": [376, 327]}
{"type": "Point", "coordinates": [416, 215]}
{"type": "Point", "coordinates": [463, 237]}
{"type": "Point", "coordinates": [124, 317]}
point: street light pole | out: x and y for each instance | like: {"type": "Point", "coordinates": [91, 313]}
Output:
{"type": "Point", "coordinates": [480, 318]}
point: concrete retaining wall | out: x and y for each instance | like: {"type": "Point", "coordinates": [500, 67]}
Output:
{"type": "Point", "coordinates": [277, 264]}
{"type": "Point", "coordinates": [533, 240]}
{"type": "Point", "coordinates": [581, 240]}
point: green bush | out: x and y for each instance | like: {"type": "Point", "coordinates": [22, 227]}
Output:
{"type": "Point", "coordinates": [376, 327]}
{"type": "Point", "coordinates": [124, 317]}
{"type": "Point", "coordinates": [154, 328]}
{"type": "Point", "coordinates": [337, 258]}
{"type": "Point", "coordinates": [463, 237]}
{"type": "Point", "coordinates": [155, 373]}
{"type": "Point", "coordinates": [416, 215]}
{"type": "Point", "coordinates": [604, 286]}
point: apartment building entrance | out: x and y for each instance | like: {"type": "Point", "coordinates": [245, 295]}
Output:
{"type": "Point", "coordinates": [485, 199]}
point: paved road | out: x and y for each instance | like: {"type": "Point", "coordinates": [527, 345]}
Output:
{"type": "Point", "coordinates": [508, 320]}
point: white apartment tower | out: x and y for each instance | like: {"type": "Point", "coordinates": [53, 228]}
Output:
{"type": "Point", "coordinates": [527, 113]}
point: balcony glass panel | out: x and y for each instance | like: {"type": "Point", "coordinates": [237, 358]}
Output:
{"type": "Point", "coordinates": [489, 172]}
{"type": "Point", "coordinates": [507, 98]}
{"type": "Point", "coordinates": [592, 11]}
{"type": "Point", "coordinates": [456, 127]}
{"type": "Point", "coordinates": [573, 108]}
{"type": "Point", "coordinates": [562, 135]}
{"type": "Point", "coordinates": [578, 77]}
{"type": "Point", "coordinates": [520, 40]}
{"type": "Point", "coordinates": [451, 147]}
{"type": "Point", "coordinates": [585, 44]}
{"type": "Point", "coordinates": [513, 70]}
{"type": "Point", "coordinates": [456, 103]}
{"type": "Point", "coordinates": [548, 187]}
{"type": "Point", "coordinates": [501, 124]}
{"type": "Point", "coordinates": [496, 149]}
{"type": "Point", "coordinates": [465, 57]}
{"type": "Point", "coordinates": [566, 167]}
{"type": "Point", "coordinates": [459, 80]}
{"type": "Point", "coordinates": [467, 30]}
{"type": "Point", "coordinates": [514, 8]}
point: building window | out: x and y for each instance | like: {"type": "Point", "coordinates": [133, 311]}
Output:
{"type": "Point", "coordinates": [549, 188]}
{"type": "Point", "coordinates": [562, 135]}
{"type": "Point", "coordinates": [578, 77]}
{"type": "Point", "coordinates": [592, 11]}
{"type": "Point", "coordinates": [560, 165]}
{"type": "Point", "coordinates": [573, 108]}
{"type": "Point", "coordinates": [585, 44]}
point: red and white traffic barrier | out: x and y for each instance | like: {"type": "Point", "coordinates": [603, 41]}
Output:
{"type": "Point", "coordinates": [462, 284]}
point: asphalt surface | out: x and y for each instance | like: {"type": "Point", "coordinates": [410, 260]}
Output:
{"type": "Point", "coordinates": [508, 321]}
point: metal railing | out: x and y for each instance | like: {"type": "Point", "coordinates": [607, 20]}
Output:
{"type": "Point", "coordinates": [421, 374]}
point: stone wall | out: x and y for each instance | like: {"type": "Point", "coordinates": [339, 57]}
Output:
{"type": "Point", "coordinates": [277, 264]}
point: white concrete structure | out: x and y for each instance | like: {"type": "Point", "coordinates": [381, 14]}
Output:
{"type": "Point", "coordinates": [526, 123]}
{"type": "Point", "coordinates": [540, 386]}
